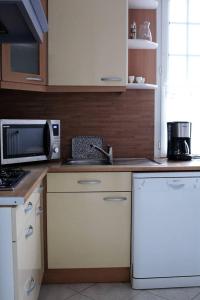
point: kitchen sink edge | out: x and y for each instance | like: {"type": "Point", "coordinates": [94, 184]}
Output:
{"type": "Point", "coordinates": [116, 161]}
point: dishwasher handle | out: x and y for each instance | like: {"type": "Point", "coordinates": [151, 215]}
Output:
{"type": "Point", "coordinates": [175, 184]}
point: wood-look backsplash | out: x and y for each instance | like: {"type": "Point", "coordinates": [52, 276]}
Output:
{"type": "Point", "coordinates": [124, 120]}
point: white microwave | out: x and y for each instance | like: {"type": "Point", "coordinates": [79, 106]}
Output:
{"type": "Point", "coordinates": [24, 141]}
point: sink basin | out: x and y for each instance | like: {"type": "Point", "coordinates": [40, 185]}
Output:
{"type": "Point", "coordinates": [80, 162]}
{"type": "Point", "coordinates": [116, 161]}
{"type": "Point", "coordinates": [130, 161]}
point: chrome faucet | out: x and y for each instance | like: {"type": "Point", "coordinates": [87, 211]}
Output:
{"type": "Point", "coordinates": [109, 154]}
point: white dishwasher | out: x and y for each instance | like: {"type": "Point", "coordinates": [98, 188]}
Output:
{"type": "Point", "coordinates": [166, 230]}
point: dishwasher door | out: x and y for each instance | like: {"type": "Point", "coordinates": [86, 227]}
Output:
{"type": "Point", "coordinates": [166, 229]}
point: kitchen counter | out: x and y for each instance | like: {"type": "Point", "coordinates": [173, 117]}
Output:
{"type": "Point", "coordinates": [144, 165]}
{"type": "Point", "coordinates": [25, 187]}
{"type": "Point", "coordinates": [39, 171]}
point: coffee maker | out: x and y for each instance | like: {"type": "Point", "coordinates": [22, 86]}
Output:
{"type": "Point", "coordinates": [179, 141]}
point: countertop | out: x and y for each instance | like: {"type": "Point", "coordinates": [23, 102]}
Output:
{"type": "Point", "coordinates": [25, 187]}
{"type": "Point", "coordinates": [135, 165]}
{"type": "Point", "coordinates": [39, 171]}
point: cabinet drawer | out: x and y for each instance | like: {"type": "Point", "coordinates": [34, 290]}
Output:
{"type": "Point", "coordinates": [26, 260]}
{"type": "Point", "coordinates": [29, 287]}
{"type": "Point", "coordinates": [88, 182]}
{"type": "Point", "coordinates": [29, 261]}
{"type": "Point", "coordinates": [26, 211]}
{"type": "Point", "coordinates": [89, 230]}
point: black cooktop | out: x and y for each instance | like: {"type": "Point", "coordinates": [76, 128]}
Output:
{"type": "Point", "coordinates": [10, 177]}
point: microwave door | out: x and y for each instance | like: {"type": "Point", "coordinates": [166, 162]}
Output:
{"type": "Point", "coordinates": [23, 141]}
{"type": "Point", "coordinates": [48, 140]}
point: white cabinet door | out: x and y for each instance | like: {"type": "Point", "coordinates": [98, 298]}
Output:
{"type": "Point", "coordinates": [88, 42]}
{"type": "Point", "coordinates": [88, 230]}
{"type": "Point", "coordinates": [29, 253]}
{"type": "Point", "coordinates": [39, 242]}
{"type": "Point", "coordinates": [25, 260]}
{"type": "Point", "coordinates": [6, 251]}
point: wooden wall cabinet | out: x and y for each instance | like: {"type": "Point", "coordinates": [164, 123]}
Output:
{"type": "Point", "coordinates": [88, 222]}
{"type": "Point", "coordinates": [88, 43]}
{"type": "Point", "coordinates": [87, 49]}
{"type": "Point", "coordinates": [24, 66]}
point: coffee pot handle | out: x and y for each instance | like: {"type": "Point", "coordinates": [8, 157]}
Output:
{"type": "Point", "coordinates": [187, 150]}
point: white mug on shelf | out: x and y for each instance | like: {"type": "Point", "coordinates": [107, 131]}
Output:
{"type": "Point", "coordinates": [140, 79]}
{"type": "Point", "coordinates": [131, 78]}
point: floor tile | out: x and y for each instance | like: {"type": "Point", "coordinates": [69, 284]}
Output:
{"type": "Point", "coordinates": [110, 291]}
{"type": "Point", "coordinates": [55, 292]}
{"type": "Point", "coordinates": [78, 287]}
{"type": "Point", "coordinates": [145, 295]}
{"type": "Point", "coordinates": [113, 291]}
{"type": "Point", "coordinates": [197, 297]}
{"type": "Point", "coordinates": [78, 297]}
{"type": "Point", "coordinates": [176, 293]}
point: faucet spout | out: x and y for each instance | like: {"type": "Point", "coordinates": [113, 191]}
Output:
{"type": "Point", "coordinates": [109, 154]}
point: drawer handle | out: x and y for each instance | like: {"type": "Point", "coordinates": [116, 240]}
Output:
{"type": "Point", "coordinates": [34, 78]}
{"type": "Point", "coordinates": [91, 181]}
{"type": "Point", "coordinates": [115, 198]}
{"type": "Point", "coordinates": [29, 207]}
{"type": "Point", "coordinates": [29, 231]}
{"type": "Point", "coordinates": [114, 78]}
{"type": "Point", "coordinates": [31, 285]}
{"type": "Point", "coordinates": [39, 211]}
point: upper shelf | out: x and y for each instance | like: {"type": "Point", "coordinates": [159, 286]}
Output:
{"type": "Point", "coordinates": [141, 44]}
{"type": "Point", "coordinates": [141, 86]}
{"type": "Point", "coordinates": [143, 4]}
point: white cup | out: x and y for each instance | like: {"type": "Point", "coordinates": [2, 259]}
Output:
{"type": "Point", "coordinates": [131, 79]}
{"type": "Point", "coordinates": [140, 79]}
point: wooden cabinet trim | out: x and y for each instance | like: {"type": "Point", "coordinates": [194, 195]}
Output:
{"type": "Point", "coordinates": [82, 89]}
{"type": "Point", "coordinates": [87, 275]}
{"type": "Point", "coordinates": [11, 85]}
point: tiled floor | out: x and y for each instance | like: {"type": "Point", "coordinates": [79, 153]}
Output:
{"type": "Point", "coordinates": [114, 291]}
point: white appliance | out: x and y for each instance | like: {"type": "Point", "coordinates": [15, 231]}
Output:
{"type": "Point", "coordinates": [166, 230]}
{"type": "Point", "coordinates": [23, 141]}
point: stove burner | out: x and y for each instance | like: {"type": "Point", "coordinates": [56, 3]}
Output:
{"type": "Point", "coordinates": [10, 177]}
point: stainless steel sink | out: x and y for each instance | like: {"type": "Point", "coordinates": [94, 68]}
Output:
{"type": "Point", "coordinates": [116, 161]}
{"type": "Point", "coordinates": [135, 161]}
{"type": "Point", "coordinates": [80, 162]}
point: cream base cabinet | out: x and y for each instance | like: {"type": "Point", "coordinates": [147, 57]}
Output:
{"type": "Point", "coordinates": [89, 229]}
{"type": "Point", "coordinates": [21, 249]}
{"type": "Point", "coordinates": [88, 42]}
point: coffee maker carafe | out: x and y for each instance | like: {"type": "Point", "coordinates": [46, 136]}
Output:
{"type": "Point", "coordinates": [179, 140]}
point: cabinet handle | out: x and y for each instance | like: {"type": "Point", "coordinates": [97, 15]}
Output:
{"type": "Point", "coordinates": [34, 79]}
{"type": "Point", "coordinates": [114, 198]}
{"type": "Point", "coordinates": [39, 211]}
{"type": "Point", "coordinates": [29, 231]}
{"type": "Point", "coordinates": [29, 207]}
{"type": "Point", "coordinates": [111, 78]}
{"type": "Point", "coordinates": [31, 285]}
{"type": "Point", "coordinates": [90, 181]}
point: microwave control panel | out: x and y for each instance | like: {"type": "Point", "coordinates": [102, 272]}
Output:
{"type": "Point", "coordinates": [55, 153]}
